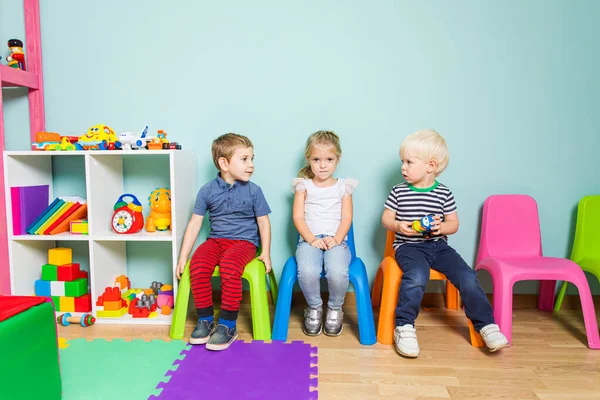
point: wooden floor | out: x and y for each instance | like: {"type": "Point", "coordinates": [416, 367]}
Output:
{"type": "Point", "coordinates": [549, 358]}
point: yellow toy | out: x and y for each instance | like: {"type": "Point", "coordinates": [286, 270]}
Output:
{"type": "Point", "coordinates": [99, 137]}
{"type": "Point", "coordinates": [160, 210]}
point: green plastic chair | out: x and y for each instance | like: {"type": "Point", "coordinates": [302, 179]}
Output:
{"type": "Point", "coordinates": [255, 274]}
{"type": "Point", "coordinates": [586, 246]}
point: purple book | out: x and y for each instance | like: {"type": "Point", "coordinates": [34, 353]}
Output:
{"type": "Point", "coordinates": [32, 201]}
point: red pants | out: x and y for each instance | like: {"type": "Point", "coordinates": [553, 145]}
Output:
{"type": "Point", "coordinates": [231, 256]}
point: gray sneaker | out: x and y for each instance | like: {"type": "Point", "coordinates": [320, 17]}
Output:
{"type": "Point", "coordinates": [333, 322]}
{"type": "Point", "coordinates": [221, 338]}
{"type": "Point", "coordinates": [202, 332]}
{"type": "Point", "coordinates": [313, 324]}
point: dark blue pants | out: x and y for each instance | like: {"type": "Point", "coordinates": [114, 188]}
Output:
{"type": "Point", "coordinates": [415, 259]}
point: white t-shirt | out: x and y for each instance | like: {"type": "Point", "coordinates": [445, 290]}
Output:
{"type": "Point", "coordinates": [323, 205]}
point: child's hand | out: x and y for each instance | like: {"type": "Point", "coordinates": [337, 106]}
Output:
{"type": "Point", "coordinates": [436, 227]}
{"type": "Point", "coordinates": [266, 259]}
{"type": "Point", "coordinates": [180, 268]}
{"type": "Point", "coordinates": [330, 242]}
{"type": "Point", "coordinates": [319, 244]}
{"type": "Point", "coordinates": [405, 228]}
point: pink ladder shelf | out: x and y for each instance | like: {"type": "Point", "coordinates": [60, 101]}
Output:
{"type": "Point", "coordinates": [31, 79]}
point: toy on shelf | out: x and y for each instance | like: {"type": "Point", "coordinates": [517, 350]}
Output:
{"type": "Point", "coordinates": [65, 144]}
{"type": "Point", "coordinates": [64, 282]}
{"type": "Point", "coordinates": [424, 225]}
{"type": "Point", "coordinates": [165, 298]}
{"type": "Point", "coordinates": [46, 141]}
{"type": "Point", "coordinates": [134, 140]}
{"type": "Point", "coordinates": [98, 137]}
{"type": "Point", "coordinates": [158, 141]}
{"type": "Point", "coordinates": [127, 217]}
{"type": "Point", "coordinates": [16, 59]}
{"type": "Point", "coordinates": [85, 320]}
{"type": "Point", "coordinates": [160, 210]}
{"type": "Point", "coordinates": [78, 227]}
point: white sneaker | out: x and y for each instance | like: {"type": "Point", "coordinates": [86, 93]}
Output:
{"type": "Point", "coordinates": [405, 338]}
{"type": "Point", "coordinates": [493, 338]}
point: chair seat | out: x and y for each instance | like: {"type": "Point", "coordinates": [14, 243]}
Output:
{"type": "Point", "coordinates": [590, 265]}
{"type": "Point", "coordinates": [530, 268]}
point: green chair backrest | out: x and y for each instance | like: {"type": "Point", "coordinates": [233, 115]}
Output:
{"type": "Point", "coordinates": [587, 231]}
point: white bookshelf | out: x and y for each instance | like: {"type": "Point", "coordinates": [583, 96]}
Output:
{"type": "Point", "coordinates": [104, 183]}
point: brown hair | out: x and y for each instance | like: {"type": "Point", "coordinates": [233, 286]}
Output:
{"type": "Point", "coordinates": [225, 145]}
{"type": "Point", "coordinates": [319, 137]}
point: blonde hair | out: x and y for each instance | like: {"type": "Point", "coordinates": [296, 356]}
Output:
{"type": "Point", "coordinates": [319, 137]}
{"type": "Point", "coordinates": [426, 144]}
{"type": "Point", "coordinates": [225, 145]}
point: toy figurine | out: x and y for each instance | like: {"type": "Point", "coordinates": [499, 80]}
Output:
{"type": "Point", "coordinates": [423, 225]}
{"type": "Point", "coordinates": [16, 59]}
{"type": "Point", "coordinates": [160, 210]}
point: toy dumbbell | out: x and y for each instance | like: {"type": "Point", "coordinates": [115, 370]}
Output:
{"type": "Point", "coordinates": [424, 225]}
{"type": "Point", "coordinates": [85, 320]}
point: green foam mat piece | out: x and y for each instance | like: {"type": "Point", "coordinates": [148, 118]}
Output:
{"type": "Point", "coordinates": [100, 369]}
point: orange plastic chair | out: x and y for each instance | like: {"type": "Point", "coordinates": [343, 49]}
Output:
{"type": "Point", "coordinates": [388, 278]}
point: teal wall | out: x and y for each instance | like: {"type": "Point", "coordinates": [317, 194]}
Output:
{"type": "Point", "coordinates": [513, 86]}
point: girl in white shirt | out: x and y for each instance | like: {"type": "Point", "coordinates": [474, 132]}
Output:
{"type": "Point", "coordinates": [322, 215]}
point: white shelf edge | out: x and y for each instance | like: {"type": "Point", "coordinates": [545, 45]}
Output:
{"type": "Point", "coordinates": [60, 236]}
{"type": "Point", "coordinates": [92, 152]}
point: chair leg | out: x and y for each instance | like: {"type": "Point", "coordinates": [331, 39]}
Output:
{"type": "Point", "coordinates": [476, 340]}
{"type": "Point", "coordinates": [561, 296]}
{"type": "Point", "coordinates": [389, 302]}
{"type": "Point", "coordinates": [273, 286]}
{"type": "Point", "coordinates": [589, 313]}
{"type": "Point", "coordinates": [503, 304]}
{"type": "Point", "coordinates": [289, 275]}
{"type": "Point", "coordinates": [546, 296]}
{"type": "Point", "coordinates": [181, 305]}
{"type": "Point", "coordinates": [451, 296]}
{"type": "Point", "coordinates": [376, 291]}
{"type": "Point", "coordinates": [259, 302]}
{"type": "Point", "coordinates": [366, 323]}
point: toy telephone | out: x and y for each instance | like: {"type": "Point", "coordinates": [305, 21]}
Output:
{"type": "Point", "coordinates": [127, 217]}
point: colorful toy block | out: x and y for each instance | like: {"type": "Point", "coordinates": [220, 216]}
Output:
{"type": "Point", "coordinates": [83, 274]}
{"type": "Point", "coordinates": [49, 272]}
{"type": "Point", "coordinates": [56, 302]}
{"type": "Point", "coordinates": [112, 305]}
{"type": "Point", "coordinates": [42, 288]}
{"type": "Point", "coordinates": [83, 303]}
{"type": "Point", "coordinates": [79, 227]}
{"type": "Point", "coordinates": [57, 288]}
{"type": "Point", "coordinates": [110, 294]}
{"type": "Point", "coordinates": [76, 288]}
{"type": "Point", "coordinates": [60, 256]}
{"type": "Point", "coordinates": [67, 304]}
{"type": "Point", "coordinates": [67, 272]}
{"type": "Point", "coordinates": [123, 283]}
{"type": "Point", "coordinates": [111, 314]}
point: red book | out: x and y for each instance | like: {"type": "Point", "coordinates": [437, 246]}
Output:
{"type": "Point", "coordinates": [64, 216]}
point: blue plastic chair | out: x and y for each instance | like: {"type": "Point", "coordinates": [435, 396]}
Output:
{"type": "Point", "coordinates": [358, 278]}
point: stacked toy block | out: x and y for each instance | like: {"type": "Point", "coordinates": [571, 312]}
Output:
{"type": "Point", "coordinates": [111, 303]}
{"type": "Point", "coordinates": [64, 282]}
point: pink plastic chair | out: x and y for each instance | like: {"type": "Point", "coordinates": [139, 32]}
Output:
{"type": "Point", "coordinates": [510, 249]}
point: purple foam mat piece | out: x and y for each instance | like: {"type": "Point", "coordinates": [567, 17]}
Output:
{"type": "Point", "coordinates": [254, 370]}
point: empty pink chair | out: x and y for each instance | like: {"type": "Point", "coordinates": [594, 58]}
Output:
{"type": "Point", "coordinates": [510, 249]}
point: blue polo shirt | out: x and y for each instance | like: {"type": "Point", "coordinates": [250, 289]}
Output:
{"type": "Point", "coordinates": [232, 209]}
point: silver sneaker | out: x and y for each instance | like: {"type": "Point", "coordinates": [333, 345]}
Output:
{"type": "Point", "coordinates": [333, 322]}
{"type": "Point", "coordinates": [313, 324]}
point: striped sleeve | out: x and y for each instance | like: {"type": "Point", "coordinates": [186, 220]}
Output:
{"type": "Point", "coordinates": [449, 204]}
{"type": "Point", "coordinates": [392, 202]}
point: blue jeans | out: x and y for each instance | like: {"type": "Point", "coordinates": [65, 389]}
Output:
{"type": "Point", "coordinates": [415, 260]}
{"type": "Point", "coordinates": [310, 264]}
